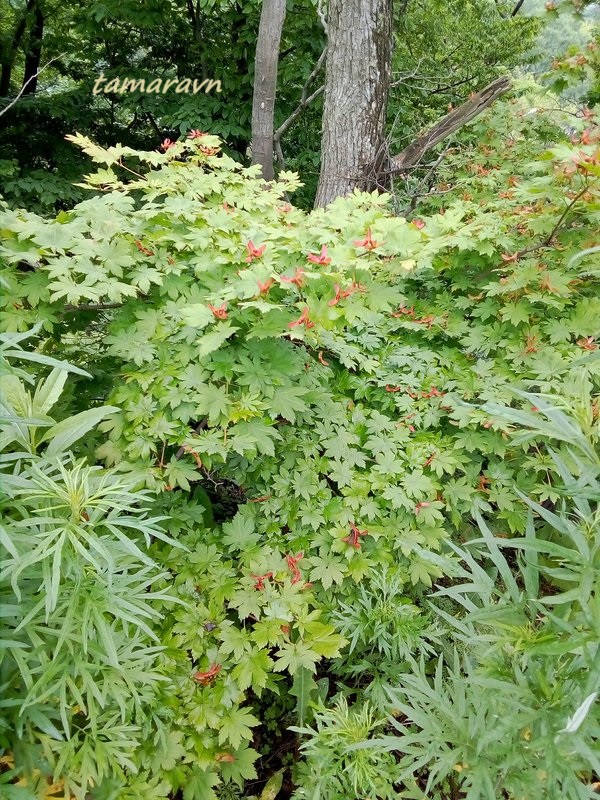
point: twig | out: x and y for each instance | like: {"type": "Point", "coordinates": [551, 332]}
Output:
{"type": "Point", "coordinates": [92, 306]}
{"type": "Point", "coordinates": [305, 100]}
{"type": "Point", "coordinates": [404, 78]}
{"type": "Point", "coordinates": [426, 179]}
{"type": "Point", "coordinates": [152, 122]}
{"type": "Point", "coordinates": [28, 81]}
{"type": "Point", "coordinates": [279, 154]}
{"type": "Point", "coordinates": [321, 14]}
{"type": "Point", "coordinates": [548, 240]}
{"type": "Point", "coordinates": [199, 427]}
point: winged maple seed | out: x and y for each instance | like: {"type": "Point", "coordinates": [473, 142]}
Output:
{"type": "Point", "coordinates": [322, 360]}
{"type": "Point", "coordinates": [196, 134]}
{"type": "Point", "coordinates": [587, 343]}
{"type": "Point", "coordinates": [368, 243]}
{"type": "Point", "coordinates": [433, 392]}
{"type": "Point", "coordinates": [322, 258]}
{"type": "Point", "coordinates": [259, 581]}
{"type": "Point", "coordinates": [206, 678]}
{"type": "Point", "coordinates": [264, 287]}
{"type": "Point", "coordinates": [220, 312]}
{"type": "Point", "coordinates": [254, 251]}
{"type": "Point", "coordinates": [297, 279]}
{"type": "Point", "coordinates": [341, 294]}
{"type": "Point", "coordinates": [353, 538]}
{"type": "Point", "coordinates": [428, 320]}
{"type": "Point", "coordinates": [404, 312]}
{"type": "Point", "coordinates": [226, 758]}
{"type": "Point", "coordinates": [292, 562]}
{"type": "Point", "coordinates": [143, 249]}
{"type": "Point", "coordinates": [303, 319]}
{"type": "Point", "coordinates": [194, 454]}
{"type": "Point", "coordinates": [260, 499]}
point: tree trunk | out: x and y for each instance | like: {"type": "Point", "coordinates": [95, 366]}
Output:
{"type": "Point", "coordinates": [34, 53]}
{"type": "Point", "coordinates": [357, 81]}
{"type": "Point", "coordinates": [7, 57]}
{"type": "Point", "coordinates": [265, 84]}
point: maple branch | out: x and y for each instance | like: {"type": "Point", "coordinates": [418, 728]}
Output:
{"type": "Point", "coordinates": [561, 219]}
{"type": "Point", "coordinates": [548, 240]}
{"type": "Point", "coordinates": [412, 155]}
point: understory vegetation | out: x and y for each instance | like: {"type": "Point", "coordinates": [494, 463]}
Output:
{"type": "Point", "coordinates": [306, 504]}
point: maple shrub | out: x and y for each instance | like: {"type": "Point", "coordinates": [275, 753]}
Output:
{"type": "Point", "coordinates": [319, 402]}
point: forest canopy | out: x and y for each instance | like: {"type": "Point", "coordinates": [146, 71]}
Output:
{"type": "Point", "coordinates": [300, 401]}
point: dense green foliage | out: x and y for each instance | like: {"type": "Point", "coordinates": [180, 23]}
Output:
{"type": "Point", "coordinates": [371, 445]}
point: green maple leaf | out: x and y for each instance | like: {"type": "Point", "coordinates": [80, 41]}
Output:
{"type": "Point", "coordinates": [257, 435]}
{"type": "Point", "coordinates": [213, 401]}
{"type": "Point", "coordinates": [242, 768]}
{"type": "Point", "coordinates": [170, 752]}
{"type": "Point", "coordinates": [199, 785]}
{"type": "Point", "coordinates": [323, 639]}
{"type": "Point", "coordinates": [267, 631]}
{"type": "Point", "coordinates": [240, 533]}
{"type": "Point", "coordinates": [328, 570]}
{"type": "Point", "coordinates": [515, 313]}
{"type": "Point", "coordinates": [233, 640]}
{"type": "Point", "coordinates": [418, 485]}
{"type": "Point", "coordinates": [397, 497]}
{"type": "Point", "coordinates": [253, 670]}
{"type": "Point", "coordinates": [214, 339]}
{"type": "Point", "coordinates": [181, 473]}
{"type": "Point", "coordinates": [236, 725]}
{"type": "Point", "coordinates": [286, 401]}
{"type": "Point", "coordinates": [293, 655]}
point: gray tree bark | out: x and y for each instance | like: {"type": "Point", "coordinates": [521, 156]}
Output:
{"type": "Point", "coordinates": [357, 80]}
{"type": "Point", "coordinates": [265, 84]}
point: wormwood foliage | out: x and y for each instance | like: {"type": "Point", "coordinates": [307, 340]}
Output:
{"type": "Point", "coordinates": [511, 704]}
{"type": "Point", "coordinates": [80, 659]}
{"type": "Point", "coordinates": [319, 402]}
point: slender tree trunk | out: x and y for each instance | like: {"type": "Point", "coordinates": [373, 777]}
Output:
{"type": "Point", "coordinates": [7, 58]}
{"type": "Point", "coordinates": [34, 53]}
{"type": "Point", "coordinates": [357, 81]}
{"type": "Point", "coordinates": [265, 84]}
